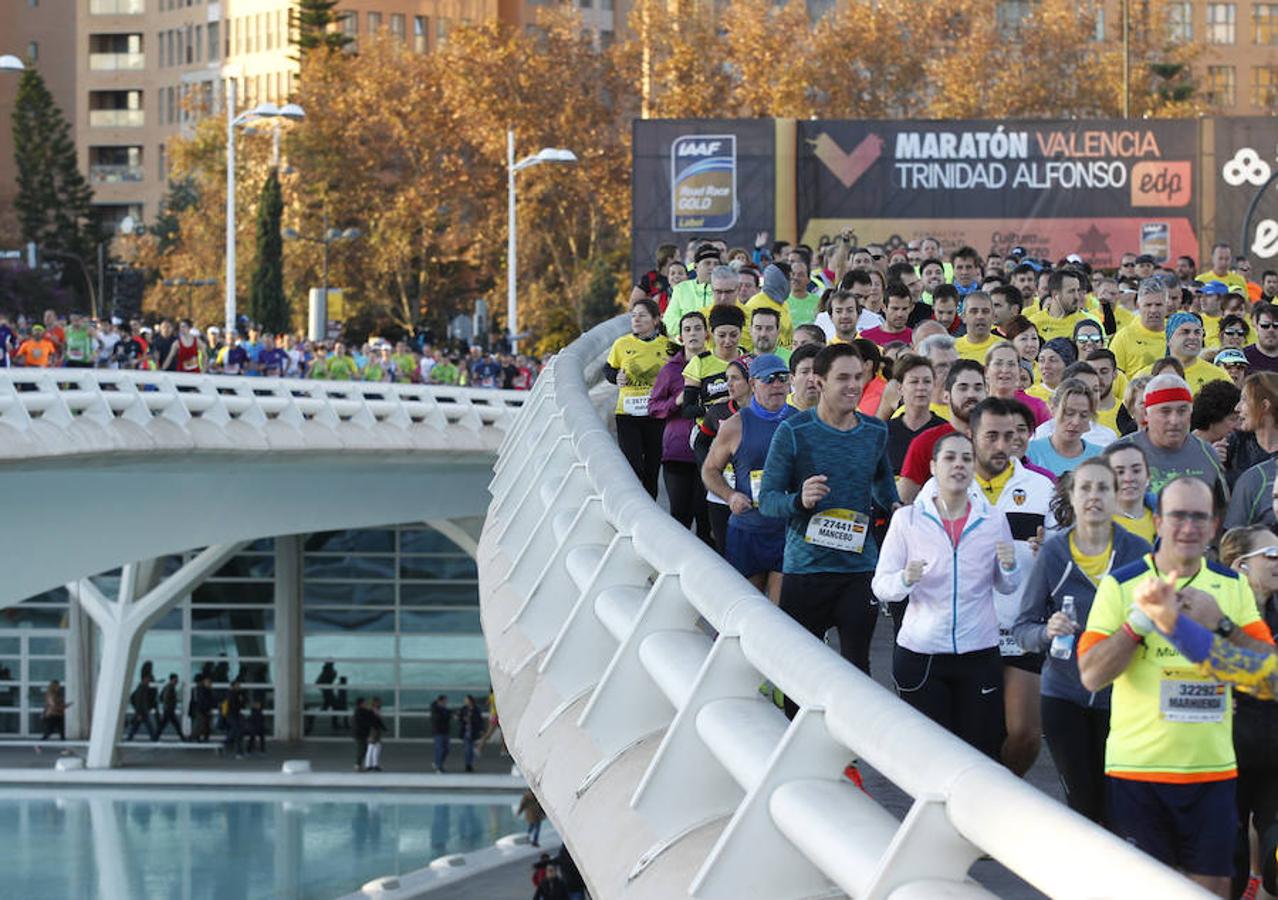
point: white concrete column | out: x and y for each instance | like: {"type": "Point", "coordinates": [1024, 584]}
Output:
{"type": "Point", "coordinates": [122, 624]}
{"type": "Point", "coordinates": [79, 680]}
{"type": "Point", "coordinates": [287, 665]}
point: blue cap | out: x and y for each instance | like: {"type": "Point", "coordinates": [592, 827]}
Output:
{"type": "Point", "coordinates": [1215, 287]}
{"type": "Point", "coordinates": [766, 364]}
{"type": "Point", "coordinates": [1177, 319]}
{"type": "Point", "coordinates": [1231, 356]}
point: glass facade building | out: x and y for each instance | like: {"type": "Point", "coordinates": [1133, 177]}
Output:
{"type": "Point", "coordinates": [390, 612]}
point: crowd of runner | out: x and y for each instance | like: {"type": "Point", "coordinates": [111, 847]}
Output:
{"type": "Point", "coordinates": [78, 341]}
{"type": "Point", "coordinates": [1057, 481]}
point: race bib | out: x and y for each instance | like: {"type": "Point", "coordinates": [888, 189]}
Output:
{"type": "Point", "coordinates": [636, 405]}
{"type": "Point", "coordinates": [1008, 645]}
{"type": "Point", "coordinates": [1186, 696]}
{"type": "Point", "coordinates": [756, 482]}
{"type": "Point", "coordinates": [838, 529]}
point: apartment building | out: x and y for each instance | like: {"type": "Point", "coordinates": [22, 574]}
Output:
{"type": "Point", "coordinates": [1238, 73]}
{"type": "Point", "coordinates": [131, 75]}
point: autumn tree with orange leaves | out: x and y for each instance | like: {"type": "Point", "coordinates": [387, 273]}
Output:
{"type": "Point", "coordinates": [411, 148]}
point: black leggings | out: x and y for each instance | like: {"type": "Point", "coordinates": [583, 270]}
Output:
{"type": "Point", "coordinates": [962, 692]}
{"type": "Point", "coordinates": [822, 600]}
{"type": "Point", "coordinates": [639, 438]}
{"type": "Point", "coordinates": [719, 513]}
{"type": "Point", "coordinates": [1255, 733]}
{"type": "Point", "coordinates": [1076, 739]}
{"type": "Point", "coordinates": [687, 497]}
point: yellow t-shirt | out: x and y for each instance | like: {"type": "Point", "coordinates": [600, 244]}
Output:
{"type": "Point", "coordinates": [1042, 392]}
{"type": "Point", "coordinates": [1135, 347]}
{"type": "Point", "coordinates": [1109, 417]}
{"type": "Point", "coordinates": [641, 360]}
{"type": "Point", "coordinates": [1233, 280]}
{"type": "Point", "coordinates": [993, 488]}
{"type": "Point", "coordinates": [1050, 326]}
{"type": "Point", "coordinates": [938, 409]}
{"type": "Point", "coordinates": [1143, 526]}
{"type": "Point", "coordinates": [1093, 566]}
{"type": "Point", "coordinates": [968, 349]}
{"type": "Point", "coordinates": [1168, 723]}
{"type": "Point", "coordinates": [1197, 373]}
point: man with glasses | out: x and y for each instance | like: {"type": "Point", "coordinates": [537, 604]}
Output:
{"type": "Point", "coordinates": [1263, 355]}
{"type": "Point", "coordinates": [1127, 265]}
{"type": "Point", "coordinates": [1171, 449]}
{"type": "Point", "coordinates": [694, 293]}
{"type": "Point", "coordinates": [756, 543]}
{"type": "Point", "coordinates": [1169, 757]}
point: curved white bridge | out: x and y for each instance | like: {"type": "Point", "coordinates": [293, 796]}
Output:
{"type": "Point", "coordinates": [627, 660]}
{"type": "Point", "coordinates": [104, 469]}
{"type": "Point", "coordinates": [100, 468]}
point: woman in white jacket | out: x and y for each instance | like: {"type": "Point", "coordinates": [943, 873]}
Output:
{"type": "Point", "coordinates": [949, 551]}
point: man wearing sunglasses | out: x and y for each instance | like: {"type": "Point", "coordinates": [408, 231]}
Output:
{"type": "Point", "coordinates": [756, 543]}
{"type": "Point", "coordinates": [1169, 758]}
{"type": "Point", "coordinates": [1263, 355]}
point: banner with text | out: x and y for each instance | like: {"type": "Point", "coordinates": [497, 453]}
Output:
{"type": "Point", "coordinates": [692, 178]}
{"type": "Point", "coordinates": [1095, 188]}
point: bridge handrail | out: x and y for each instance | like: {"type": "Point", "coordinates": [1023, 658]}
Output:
{"type": "Point", "coordinates": [962, 798]}
{"type": "Point", "coordinates": [63, 397]}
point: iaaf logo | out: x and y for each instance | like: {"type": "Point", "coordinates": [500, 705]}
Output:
{"type": "Point", "coordinates": [699, 148]}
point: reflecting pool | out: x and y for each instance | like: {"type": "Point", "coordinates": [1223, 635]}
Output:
{"type": "Point", "coordinates": [196, 844]}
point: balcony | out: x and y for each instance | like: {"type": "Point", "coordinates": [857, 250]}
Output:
{"type": "Point", "coordinates": [117, 118]}
{"type": "Point", "coordinates": [117, 62]}
{"type": "Point", "coordinates": [117, 7]}
{"type": "Point", "coordinates": [114, 174]}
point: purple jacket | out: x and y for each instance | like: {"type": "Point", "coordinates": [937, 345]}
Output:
{"type": "Point", "coordinates": [666, 401]}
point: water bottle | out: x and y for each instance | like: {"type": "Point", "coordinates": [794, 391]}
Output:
{"type": "Point", "coordinates": [1063, 644]}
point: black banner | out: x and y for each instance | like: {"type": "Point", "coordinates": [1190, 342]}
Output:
{"type": "Point", "coordinates": [1246, 158]}
{"type": "Point", "coordinates": [700, 178]}
{"type": "Point", "coordinates": [1097, 188]}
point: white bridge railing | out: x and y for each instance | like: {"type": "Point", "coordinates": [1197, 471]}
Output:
{"type": "Point", "coordinates": [55, 412]}
{"type": "Point", "coordinates": [627, 659]}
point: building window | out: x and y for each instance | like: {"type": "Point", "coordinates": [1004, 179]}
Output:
{"type": "Point", "coordinates": [350, 28]}
{"type": "Point", "coordinates": [374, 22]}
{"type": "Point", "coordinates": [257, 33]}
{"type": "Point", "coordinates": [1180, 21]}
{"type": "Point", "coordinates": [1220, 86]}
{"type": "Point", "coordinates": [270, 31]}
{"type": "Point", "coordinates": [421, 28]}
{"type": "Point", "coordinates": [1011, 15]}
{"type": "Point", "coordinates": [214, 40]}
{"type": "Point", "coordinates": [397, 26]}
{"type": "Point", "coordinates": [1221, 22]}
{"type": "Point", "coordinates": [1264, 87]}
{"type": "Point", "coordinates": [1266, 19]}
{"type": "Point", "coordinates": [1098, 34]}
{"type": "Point", "coordinates": [199, 43]}
{"type": "Point", "coordinates": [33, 51]}
{"type": "Point", "coordinates": [162, 170]}
{"type": "Point", "coordinates": [441, 31]}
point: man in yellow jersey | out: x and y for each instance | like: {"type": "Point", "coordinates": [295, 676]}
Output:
{"type": "Point", "coordinates": [1108, 406]}
{"type": "Point", "coordinates": [1221, 257]}
{"type": "Point", "coordinates": [1169, 758]}
{"type": "Point", "coordinates": [1061, 311]}
{"type": "Point", "coordinates": [765, 326]}
{"type": "Point", "coordinates": [1207, 303]}
{"type": "Point", "coordinates": [773, 294]}
{"type": "Point", "coordinates": [1144, 341]}
{"type": "Point", "coordinates": [1184, 343]}
{"type": "Point", "coordinates": [978, 318]}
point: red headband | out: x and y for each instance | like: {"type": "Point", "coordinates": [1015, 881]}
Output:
{"type": "Point", "coordinates": [1168, 395]}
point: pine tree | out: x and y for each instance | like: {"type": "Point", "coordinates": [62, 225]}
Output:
{"type": "Point", "coordinates": [267, 303]}
{"type": "Point", "coordinates": [315, 26]}
{"type": "Point", "coordinates": [54, 200]}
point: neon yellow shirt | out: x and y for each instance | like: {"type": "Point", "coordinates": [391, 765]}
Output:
{"type": "Point", "coordinates": [1197, 373]}
{"type": "Point", "coordinates": [969, 349]}
{"type": "Point", "coordinates": [763, 301]}
{"type": "Point", "coordinates": [1093, 566]}
{"type": "Point", "coordinates": [1150, 737]}
{"type": "Point", "coordinates": [1142, 526]}
{"type": "Point", "coordinates": [641, 360]}
{"type": "Point", "coordinates": [1050, 326]}
{"type": "Point", "coordinates": [1232, 280]}
{"type": "Point", "coordinates": [1135, 347]}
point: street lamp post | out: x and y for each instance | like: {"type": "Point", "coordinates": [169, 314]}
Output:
{"type": "Point", "coordinates": [11, 63]}
{"type": "Point", "coordinates": [261, 111]}
{"type": "Point", "coordinates": [327, 236]}
{"type": "Point", "coordinates": [545, 154]}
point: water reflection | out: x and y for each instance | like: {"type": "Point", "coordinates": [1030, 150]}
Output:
{"type": "Point", "coordinates": [108, 843]}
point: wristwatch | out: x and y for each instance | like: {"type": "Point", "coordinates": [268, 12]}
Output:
{"type": "Point", "coordinates": [1225, 627]}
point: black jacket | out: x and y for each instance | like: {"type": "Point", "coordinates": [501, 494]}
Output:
{"type": "Point", "coordinates": [440, 719]}
{"type": "Point", "coordinates": [363, 723]}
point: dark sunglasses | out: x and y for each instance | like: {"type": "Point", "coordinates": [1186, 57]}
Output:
{"type": "Point", "coordinates": [776, 378]}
